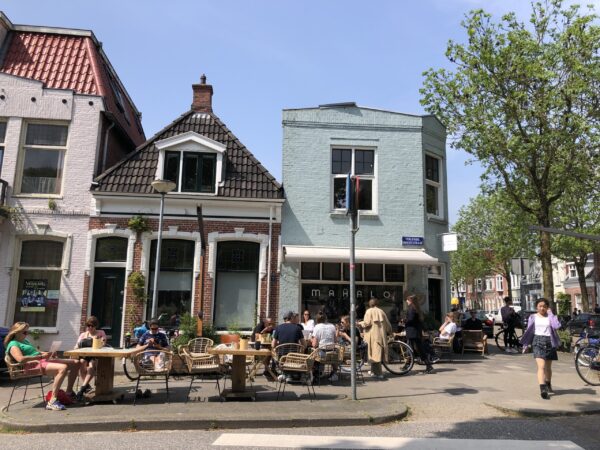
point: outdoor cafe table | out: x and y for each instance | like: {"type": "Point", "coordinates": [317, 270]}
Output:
{"type": "Point", "coordinates": [106, 368]}
{"type": "Point", "coordinates": [238, 369]}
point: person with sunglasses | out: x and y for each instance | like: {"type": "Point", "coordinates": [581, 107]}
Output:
{"type": "Point", "coordinates": [22, 351]}
{"type": "Point", "coordinates": [153, 339]}
{"type": "Point", "coordinates": [87, 369]}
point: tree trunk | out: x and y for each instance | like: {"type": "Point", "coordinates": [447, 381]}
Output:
{"type": "Point", "coordinates": [507, 269]}
{"type": "Point", "coordinates": [580, 263]}
{"type": "Point", "coordinates": [546, 259]}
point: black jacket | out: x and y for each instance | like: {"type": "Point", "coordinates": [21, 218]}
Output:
{"type": "Point", "coordinates": [413, 325]}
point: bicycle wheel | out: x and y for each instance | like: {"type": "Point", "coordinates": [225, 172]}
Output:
{"type": "Point", "coordinates": [587, 364]}
{"type": "Point", "coordinates": [129, 369]}
{"type": "Point", "coordinates": [400, 358]}
{"type": "Point", "coordinates": [500, 339]}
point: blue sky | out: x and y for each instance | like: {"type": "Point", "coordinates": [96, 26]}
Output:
{"type": "Point", "coordinates": [265, 56]}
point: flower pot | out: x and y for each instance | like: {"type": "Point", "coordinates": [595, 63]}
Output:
{"type": "Point", "coordinates": [243, 344]}
{"type": "Point", "coordinates": [229, 338]}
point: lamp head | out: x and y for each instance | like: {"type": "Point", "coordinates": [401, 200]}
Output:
{"type": "Point", "coordinates": [163, 186]}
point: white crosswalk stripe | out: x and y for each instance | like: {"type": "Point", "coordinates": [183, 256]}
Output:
{"type": "Point", "coordinates": [241, 440]}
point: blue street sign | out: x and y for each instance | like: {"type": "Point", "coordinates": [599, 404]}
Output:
{"type": "Point", "coordinates": [413, 240]}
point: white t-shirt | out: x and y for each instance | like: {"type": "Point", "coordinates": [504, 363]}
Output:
{"type": "Point", "coordinates": [324, 333]}
{"type": "Point", "coordinates": [542, 326]}
{"type": "Point", "coordinates": [448, 331]}
{"type": "Point", "coordinates": [309, 326]}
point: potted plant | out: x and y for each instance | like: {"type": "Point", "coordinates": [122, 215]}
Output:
{"type": "Point", "coordinates": [139, 224]}
{"type": "Point", "coordinates": [187, 332]}
{"type": "Point", "coordinates": [232, 335]}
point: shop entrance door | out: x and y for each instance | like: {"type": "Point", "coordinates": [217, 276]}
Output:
{"type": "Point", "coordinates": [107, 301]}
{"type": "Point", "coordinates": [435, 298]}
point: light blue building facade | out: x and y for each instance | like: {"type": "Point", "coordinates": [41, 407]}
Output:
{"type": "Point", "coordinates": [401, 162]}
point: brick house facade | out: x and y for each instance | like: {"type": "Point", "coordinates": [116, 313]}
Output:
{"type": "Point", "coordinates": [237, 278]}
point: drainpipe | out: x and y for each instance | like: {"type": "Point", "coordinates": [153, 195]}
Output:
{"type": "Point", "coordinates": [105, 151]}
{"type": "Point", "coordinates": [268, 313]}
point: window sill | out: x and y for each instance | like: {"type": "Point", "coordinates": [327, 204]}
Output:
{"type": "Point", "coordinates": [437, 219]}
{"type": "Point", "coordinates": [46, 330]}
{"type": "Point", "coordinates": [56, 196]}
{"type": "Point", "coordinates": [363, 215]}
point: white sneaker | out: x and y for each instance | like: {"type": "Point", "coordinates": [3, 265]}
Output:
{"type": "Point", "coordinates": [371, 374]}
{"type": "Point", "coordinates": [281, 378]}
{"type": "Point", "coordinates": [507, 350]}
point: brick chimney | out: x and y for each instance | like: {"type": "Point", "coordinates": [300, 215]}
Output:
{"type": "Point", "coordinates": [202, 100]}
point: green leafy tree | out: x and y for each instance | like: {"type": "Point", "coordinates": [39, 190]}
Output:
{"type": "Point", "coordinates": [492, 232]}
{"type": "Point", "coordinates": [523, 100]}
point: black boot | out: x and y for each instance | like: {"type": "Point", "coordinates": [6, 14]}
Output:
{"type": "Point", "coordinates": [549, 386]}
{"type": "Point", "coordinates": [544, 391]}
{"type": "Point", "coordinates": [82, 390]}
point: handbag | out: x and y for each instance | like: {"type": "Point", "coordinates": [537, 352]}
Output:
{"type": "Point", "coordinates": [85, 343]}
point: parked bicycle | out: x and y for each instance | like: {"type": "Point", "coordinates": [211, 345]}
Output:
{"type": "Point", "coordinates": [587, 364]}
{"type": "Point", "coordinates": [586, 338]}
{"type": "Point", "coordinates": [504, 338]}
{"type": "Point", "coordinates": [400, 358]}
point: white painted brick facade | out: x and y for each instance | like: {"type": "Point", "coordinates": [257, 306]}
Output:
{"type": "Point", "coordinates": [71, 216]}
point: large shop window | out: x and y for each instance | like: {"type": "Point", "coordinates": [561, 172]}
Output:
{"type": "Point", "coordinates": [237, 284]}
{"type": "Point", "coordinates": [433, 185]}
{"type": "Point", "coordinates": [43, 158]}
{"type": "Point", "coordinates": [196, 170]}
{"type": "Point", "coordinates": [2, 136]}
{"type": "Point", "coordinates": [328, 288]}
{"type": "Point", "coordinates": [38, 288]}
{"type": "Point", "coordinates": [175, 280]}
{"type": "Point", "coordinates": [358, 162]}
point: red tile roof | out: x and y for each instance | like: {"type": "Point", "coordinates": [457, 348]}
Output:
{"type": "Point", "coordinates": [63, 60]}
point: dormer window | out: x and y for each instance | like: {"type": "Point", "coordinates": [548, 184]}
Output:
{"type": "Point", "coordinates": [193, 162]}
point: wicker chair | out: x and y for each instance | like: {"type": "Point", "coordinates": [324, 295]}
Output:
{"type": "Point", "coordinates": [147, 367]}
{"type": "Point", "coordinates": [23, 372]}
{"type": "Point", "coordinates": [282, 350]}
{"type": "Point", "coordinates": [197, 346]}
{"type": "Point", "coordinates": [297, 363]}
{"type": "Point", "coordinates": [474, 341]}
{"type": "Point", "coordinates": [198, 366]}
{"type": "Point", "coordinates": [331, 355]}
{"type": "Point", "coordinates": [443, 345]}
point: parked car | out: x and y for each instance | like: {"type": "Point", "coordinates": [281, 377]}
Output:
{"type": "Point", "coordinates": [491, 315]}
{"type": "Point", "coordinates": [488, 324]}
{"type": "Point", "coordinates": [584, 320]}
{"type": "Point", "coordinates": [497, 317]}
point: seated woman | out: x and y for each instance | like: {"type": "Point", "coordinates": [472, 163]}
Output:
{"type": "Point", "coordinates": [448, 328]}
{"type": "Point", "coordinates": [21, 350]}
{"type": "Point", "coordinates": [87, 370]}
{"type": "Point", "coordinates": [344, 332]}
{"type": "Point", "coordinates": [324, 336]}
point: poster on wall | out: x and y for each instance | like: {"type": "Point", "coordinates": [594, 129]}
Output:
{"type": "Point", "coordinates": [34, 296]}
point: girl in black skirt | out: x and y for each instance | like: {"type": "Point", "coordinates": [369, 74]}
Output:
{"type": "Point", "coordinates": [541, 334]}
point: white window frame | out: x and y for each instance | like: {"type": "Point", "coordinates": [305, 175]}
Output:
{"type": "Point", "coordinates": [572, 270]}
{"type": "Point", "coordinates": [21, 161]}
{"type": "Point", "coordinates": [190, 142]}
{"type": "Point", "coordinates": [489, 284]}
{"type": "Point", "coordinates": [3, 143]}
{"type": "Point", "coordinates": [479, 284]}
{"type": "Point", "coordinates": [439, 185]}
{"type": "Point", "coordinates": [373, 178]}
{"type": "Point", "coordinates": [499, 283]}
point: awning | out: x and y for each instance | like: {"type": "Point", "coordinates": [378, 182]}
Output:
{"type": "Point", "coordinates": [296, 253]}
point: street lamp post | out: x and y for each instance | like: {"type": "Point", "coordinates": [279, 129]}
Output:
{"type": "Point", "coordinates": [162, 187]}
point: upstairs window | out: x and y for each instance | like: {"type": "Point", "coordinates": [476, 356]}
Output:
{"type": "Point", "coordinates": [489, 284]}
{"type": "Point", "coordinates": [191, 171]}
{"type": "Point", "coordinates": [359, 162]}
{"type": "Point", "coordinates": [499, 283]}
{"type": "Point", "coordinates": [2, 135]}
{"type": "Point", "coordinates": [433, 185]}
{"type": "Point", "coordinates": [43, 158]}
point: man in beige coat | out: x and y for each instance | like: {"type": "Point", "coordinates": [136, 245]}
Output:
{"type": "Point", "coordinates": [377, 329]}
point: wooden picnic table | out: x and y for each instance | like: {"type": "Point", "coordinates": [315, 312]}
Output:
{"type": "Point", "coordinates": [238, 369]}
{"type": "Point", "coordinates": [105, 369]}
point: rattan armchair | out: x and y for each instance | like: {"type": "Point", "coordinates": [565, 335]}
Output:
{"type": "Point", "coordinates": [151, 364]}
{"type": "Point", "coordinates": [23, 372]}
{"type": "Point", "coordinates": [474, 341]}
{"type": "Point", "coordinates": [330, 355]}
{"type": "Point", "coordinates": [199, 366]}
{"type": "Point", "coordinates": [443, 345]}
{"type": "Point", "coordinates": [300, 363]}
{"type": "Point", "coordinates": [197, 346]}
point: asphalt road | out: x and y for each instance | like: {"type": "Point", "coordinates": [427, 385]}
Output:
{"type": "Point", "coordinates": [582, 430]}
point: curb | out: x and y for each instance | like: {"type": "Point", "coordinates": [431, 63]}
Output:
{"type": "Point", "coordinates": [360, 417]}
{"type": "Point", "coordinates": [534, 412]}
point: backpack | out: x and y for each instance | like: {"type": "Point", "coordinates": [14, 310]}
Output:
{"type": "Point", "coordinates": [61, 397]}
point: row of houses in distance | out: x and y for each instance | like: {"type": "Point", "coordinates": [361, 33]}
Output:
{"type": "Point", "coordinates": [76, 168]}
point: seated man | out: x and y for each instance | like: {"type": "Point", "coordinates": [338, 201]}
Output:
{"type": "Point", "coordinates": [473, 323]}
{"type": "Point", "coordinates": [153, 340]}
{"type": "Point", "coordinates": [288, 333]}
{"type": "Point", "coordinates": [448, 328]}
{"type": "Point", "coordinates": [265, 326]}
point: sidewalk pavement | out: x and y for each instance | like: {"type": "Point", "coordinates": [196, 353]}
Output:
{"type": "Point", "coordinates": [470, 387]}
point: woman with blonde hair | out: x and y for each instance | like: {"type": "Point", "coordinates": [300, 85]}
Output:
{"type": "Point", "coordinates": [377, 329]}
{"type": "Point", "coordinates": [22, 351]}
